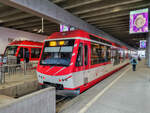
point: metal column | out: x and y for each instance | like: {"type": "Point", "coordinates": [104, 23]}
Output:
{"type": "Point", "coordinates": [148, 50]}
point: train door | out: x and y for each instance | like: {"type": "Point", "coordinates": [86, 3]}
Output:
{"type": "Point", "coordinates": [23, 54]}
{"type": "Point", "coordinates": [82, 61]}
{"type": "Point", "coordinates": [20, 55]}
{"type": "Point", "coordinates": [26, 55]}
{"type": "Point", "coordinates": [86, 62]}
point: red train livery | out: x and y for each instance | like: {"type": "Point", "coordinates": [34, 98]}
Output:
{"type": "Point", "coordinates": [20, 48]}
{"type": "Point", "coordinates": [76, 60]}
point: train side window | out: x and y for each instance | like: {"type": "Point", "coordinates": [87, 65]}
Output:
{"type": "Point", "coordinates": [108, 54]}
{"type": "Point", "coordinates": [86, 55]}
{"type": "Point", "coordinates": [95, 53]}
{"type": "Point", "coordinates": [20, 54]}
{"type": "Point", "coordinates": [79, 60]}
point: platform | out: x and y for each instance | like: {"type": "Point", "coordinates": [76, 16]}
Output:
{"type": "Point", "coordinates": [126, 91]}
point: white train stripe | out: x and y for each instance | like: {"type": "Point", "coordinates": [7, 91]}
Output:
{"type": "Point", "coordinates": [25, 45]}
{"type": "Point", "coordinates": [50, 68]}
{"type": "Point", "coordinates": [60, 70]}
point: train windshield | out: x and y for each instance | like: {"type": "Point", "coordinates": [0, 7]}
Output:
{"type": "Point", "coordinates": [10, 50]}
{"type": "Point", "coordinates": [57, 53]}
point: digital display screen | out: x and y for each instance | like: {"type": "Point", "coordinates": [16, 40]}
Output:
{"type": "Point", "coordinates": [64, 28]}
{"type": "Point", "coordinates": [139, 21]}
{"type": "Point", "coordinates": [142, 43]}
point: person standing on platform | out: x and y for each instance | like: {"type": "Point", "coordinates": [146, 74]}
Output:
{"type": "Point", "coordinates": [134, 63]}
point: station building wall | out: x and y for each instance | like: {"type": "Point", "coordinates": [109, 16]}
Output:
{"type": "Point", "coordinates": [7, 35]}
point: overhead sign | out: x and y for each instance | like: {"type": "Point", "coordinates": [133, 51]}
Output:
{"type": "Point", "coordinates": [139, 21]}
{"type": "Point", "coordinates": [64, 28]}
{"type": "Point", "coordinates": [142, 43]}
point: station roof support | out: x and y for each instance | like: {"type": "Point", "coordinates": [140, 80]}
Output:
{"type": "Point", "coordinates": [52, 12]}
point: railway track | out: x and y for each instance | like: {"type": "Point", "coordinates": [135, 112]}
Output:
{"type": "Point", "coordinates": [61, 101]}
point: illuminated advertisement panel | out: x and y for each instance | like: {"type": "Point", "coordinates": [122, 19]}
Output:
{"type": "Point", "coordinates": [139, 21]}
{"type": "Point", "coordinates": [142, 43]}
{"type": "Point", "coordinates": [64, 28]}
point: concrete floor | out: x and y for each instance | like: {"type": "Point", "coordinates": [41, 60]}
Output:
{"type": "Point", "coordinates": [126, 91]}
{"type": "Point", "coordinates": [5, 99]}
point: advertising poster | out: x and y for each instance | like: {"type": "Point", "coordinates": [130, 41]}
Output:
{"type": "Point", "coordinates": [142, 43]}
{"type": "Point", "coordinates": [139, 21]}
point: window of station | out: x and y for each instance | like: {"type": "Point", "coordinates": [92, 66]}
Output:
{"type": "Point", "coordinates": [100, 53]}
{"type": "Point", "coordinates": [79, 60]}
{"type": "Point", "coordinates": [35, 52]}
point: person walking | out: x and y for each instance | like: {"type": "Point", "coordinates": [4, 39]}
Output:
{"type": "Point", "coordinates": [134, 63]}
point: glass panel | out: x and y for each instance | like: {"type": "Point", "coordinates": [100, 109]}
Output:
{"type": "Point", "coordinates": [59, 55]}
{"type": "Point", "coordinates": [79, 60]}
{"type": "Point", "coordinates": [86, 55]}
{"type": "Point", "coordinates": [10, 50]}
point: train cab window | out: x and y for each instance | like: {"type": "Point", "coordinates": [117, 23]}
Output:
{"type": "Point", "coordinates": [35, 52]}
{"type": "Point", "coordinates": [79, 60]}
{"type": "Point", "coordinates": [86, 55]}
{"type": "Point", "coordinates": [10, 50]}
{"type": "Point", "coordinates": [57, 52]}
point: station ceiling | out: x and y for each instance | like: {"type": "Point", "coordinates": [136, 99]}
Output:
{"type": "Point", "coordinates": [111, 16]}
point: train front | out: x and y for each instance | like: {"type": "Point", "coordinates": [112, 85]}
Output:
{"type": "Point", "coordinates": [56, 64]}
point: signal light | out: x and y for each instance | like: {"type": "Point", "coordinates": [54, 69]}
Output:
{"type": "Point", "coordinates": [52, 43]}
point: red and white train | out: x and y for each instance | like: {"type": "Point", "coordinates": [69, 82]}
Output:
{"type": "Point", "coordinates": [20, 48]}
{"type": "Point", "coordinates": [76, 60]}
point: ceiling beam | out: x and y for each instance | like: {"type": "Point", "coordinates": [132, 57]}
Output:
{"type": "Point", "coordinates": [35, 28]}
{"type": "Point", "coordinates": [102, 5]}
{"type": "Point", "coordinates": [116, 28]}
{"type": "Point", "coordinates": [52, 12]}
{"type": "Point", "coordinates": [111, 16]}
{"type": "Point", "coordinates": [22, 21]}
{"type": "Point", "coordinates": [14, 17]}
{"type": "Point", "coordinates": [113, 20]}
{"type": "Point", "coordinates": [36, 24]}
{"type": "Point", "coordinates": [57, 1]}
{"type": "Point", "coordinates": [126, 7]}
{"type": "Point", "coordinates": [112, 24]}
{"type": "Point", "coordinates": [77, 3]}
{"type": "Point", "coordinates": [8, 12]}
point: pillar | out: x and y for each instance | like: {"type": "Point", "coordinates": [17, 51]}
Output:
{"type": "Point", "coordinates": [148, 50]}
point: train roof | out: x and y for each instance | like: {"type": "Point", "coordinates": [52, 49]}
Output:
{"type": "Point", "coordinates": [79, 33]}
{"type": "Point", "coordinates": [69, 34]}
{"type": "Point", "coordinates": [26, 42]}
